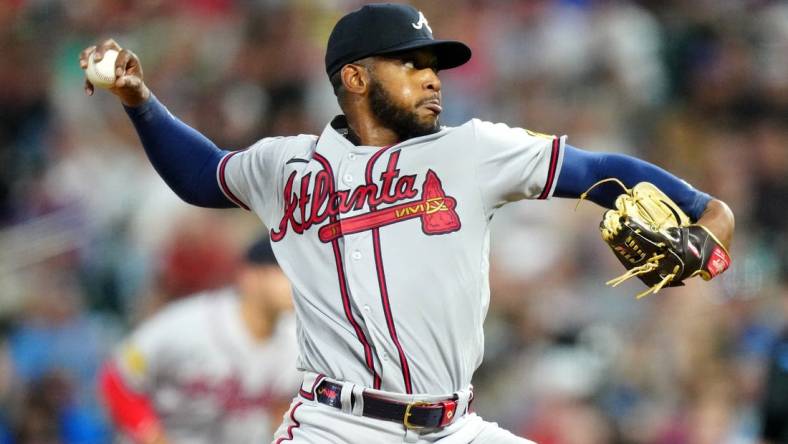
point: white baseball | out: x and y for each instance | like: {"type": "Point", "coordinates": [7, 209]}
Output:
{"type": "Point", "coordinates": [102, 73]}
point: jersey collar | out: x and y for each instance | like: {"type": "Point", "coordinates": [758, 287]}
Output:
{"type": "Point", "coordinates": [336, 131]}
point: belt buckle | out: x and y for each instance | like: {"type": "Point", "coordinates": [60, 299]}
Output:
{"type": "Point", "coordinates": [406, 419]}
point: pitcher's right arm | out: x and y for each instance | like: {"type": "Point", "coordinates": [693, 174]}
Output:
{"type": "Point", "coordinates": [184, 158]}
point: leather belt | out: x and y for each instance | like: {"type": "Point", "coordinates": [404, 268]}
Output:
{"type": "Point", "coordinates": [413, 415]}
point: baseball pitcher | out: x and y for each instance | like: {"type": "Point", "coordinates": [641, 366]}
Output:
{"type": "Point", "coordinates": [381, 223]}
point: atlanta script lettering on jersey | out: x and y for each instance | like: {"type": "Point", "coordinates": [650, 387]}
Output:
{"type": "Point", "coordinates": [318, 201]}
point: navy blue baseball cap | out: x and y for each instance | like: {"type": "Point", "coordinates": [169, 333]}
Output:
{"type": "Point", "coordinates": [386, 28]}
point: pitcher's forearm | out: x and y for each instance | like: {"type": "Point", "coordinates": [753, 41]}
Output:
{"type": "Point", "coordinates": [184, 158]}
{"type": "Point", "coordinates": [718, 218]}
{"type": "Point", "coordinates": [581, 169]}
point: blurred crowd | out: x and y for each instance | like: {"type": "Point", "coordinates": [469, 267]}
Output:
{"type": "Point", "coordinates": [92, 241]}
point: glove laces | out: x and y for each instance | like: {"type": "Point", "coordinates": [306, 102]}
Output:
{"type": "Point", "coordinates": [651, 264]}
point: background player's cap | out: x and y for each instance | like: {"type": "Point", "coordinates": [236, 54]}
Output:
{"type": "Point", "coordinates": [384, 28]}
{"type": "Point", "coordinates": [261, 253]}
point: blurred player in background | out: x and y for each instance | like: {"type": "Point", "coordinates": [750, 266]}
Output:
{"type": "Point", "coordinates": [218, 367]}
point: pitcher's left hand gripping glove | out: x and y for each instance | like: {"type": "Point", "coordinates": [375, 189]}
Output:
{"type": "Point", "coordinates": [656, 241]}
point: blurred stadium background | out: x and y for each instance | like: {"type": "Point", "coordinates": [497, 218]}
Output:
{"type": "Point", "coordinates": [91, 240]}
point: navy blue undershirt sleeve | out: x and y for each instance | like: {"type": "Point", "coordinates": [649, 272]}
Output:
{"type": "Point", "coordinates": [184, 158]}
{"type": "Point", "coordinates": [581, 169]}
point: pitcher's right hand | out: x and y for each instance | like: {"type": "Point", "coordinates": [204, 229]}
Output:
{"type": "Point", "coordinates": [129, 85]}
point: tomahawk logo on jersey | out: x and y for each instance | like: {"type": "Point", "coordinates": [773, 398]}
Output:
{"type": "Point", "coordinates": [318, 201]}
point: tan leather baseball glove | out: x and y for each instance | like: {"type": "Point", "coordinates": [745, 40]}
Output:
{"type": "Point", "coordinates": [656, 241]}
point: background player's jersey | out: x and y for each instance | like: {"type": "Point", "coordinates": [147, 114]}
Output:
{"type": "Point", "coordinates": [208, 380]}
{"type": "Point", "coordinates": [387, 248]}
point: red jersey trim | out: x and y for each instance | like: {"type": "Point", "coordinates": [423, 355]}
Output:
{"type": "Point", "coordinates": [548, 186]}
{"type": "Point", "coordinates": [384, 292]}
{"type": "Point", "coordinates": [292, 426]}
{"type": "Point", "coordinates": [343, 285]}
{"type": "Point", "coordinates": [220, 172]}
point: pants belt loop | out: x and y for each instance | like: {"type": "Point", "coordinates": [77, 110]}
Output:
{"type": "Point", "coordinates": [463, 399]}
{"type": "Point", "coordinates": [346, 396]}
{"type": "Point", "coordinates": [309, 384]}
{"type": "Point", "coordinates": [358, 398]}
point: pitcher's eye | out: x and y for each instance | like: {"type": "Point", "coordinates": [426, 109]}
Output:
{"type": "Point", "coordinates": [409, 64]}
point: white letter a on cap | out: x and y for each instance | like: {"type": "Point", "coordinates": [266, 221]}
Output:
{"type": "Point", "coordinates": [422, 22]}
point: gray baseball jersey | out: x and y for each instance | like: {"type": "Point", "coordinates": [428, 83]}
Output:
{"type": "Point", "coordinates": [387, 248]}
{"type": "Point", "coordinates": [208, 379]}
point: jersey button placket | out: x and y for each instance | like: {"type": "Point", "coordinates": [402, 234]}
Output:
{"type": "Point", "coordinates": [358, 254]}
